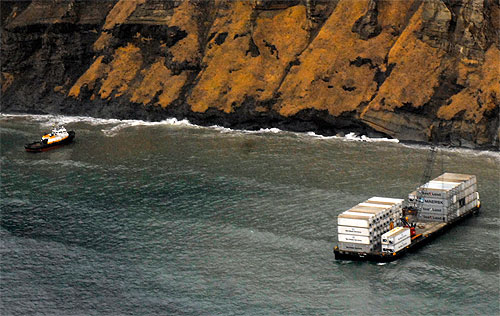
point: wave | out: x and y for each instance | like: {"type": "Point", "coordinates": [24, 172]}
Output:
{"type": "Point", "coordinates": [354, 137]}
{"type": "Point", "coordinates": [62, 163]}
{"type": "Point", "coordinates": [457, 150]}
{"type": "Point", "coordinates": [122, 124]}
{"type": "Point", "coordinates": [474, 152]}
{"type": "Point", "coordinates": [48, 120]}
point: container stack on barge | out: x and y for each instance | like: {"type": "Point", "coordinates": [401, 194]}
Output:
{"type": "Point", "coordinates": [445, 198]}
{"type": "Point", "coordinates": [360, 227]}
{"type": "Point", "coordinates": [365, 231]}
{"type": "Point", "coordinates": [396, 239]}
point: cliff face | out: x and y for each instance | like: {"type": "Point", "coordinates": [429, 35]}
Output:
{"type": "Point", "coordinates": [425, 70]}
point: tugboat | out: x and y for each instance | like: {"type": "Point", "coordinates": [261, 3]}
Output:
{"type": "Point", "coordinates": [57, 137]}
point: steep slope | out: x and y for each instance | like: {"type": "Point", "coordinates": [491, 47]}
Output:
{"type": "Point", "coordinates": [424, 70]}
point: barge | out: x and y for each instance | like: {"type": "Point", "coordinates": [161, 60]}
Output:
{"type": "Point", "coordinates": [430, 211]}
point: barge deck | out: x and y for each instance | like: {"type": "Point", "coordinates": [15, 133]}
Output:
{"type": "Point", "coordinates": [425, 232]}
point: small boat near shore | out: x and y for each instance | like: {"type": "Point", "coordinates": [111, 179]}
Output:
{"type": "Point", "coordinates": [59, 136]}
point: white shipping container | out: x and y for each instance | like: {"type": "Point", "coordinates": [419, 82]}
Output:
{"type": "Point", "coordinates": [396, 235]}
{"type": "Point", "coordinates": [369, 217]}
{"type": "Point", "coordinates": [376, 205]}
{"type": "Point", "coordinates": [357, 231]}
{"type": "Point", "coordinates": [449, 184]}
{"type": "Point", "coordinates": [384, 199]}
{"type": "Point", "coordinates": [438, 201]}
{"type": "Point", "coordinates": [345, 246]}
{"type": "Point", "coordinates": [443, 205]}
{"type": "Point", "coordinates": [434, 218]}
{"type": "Point", "coordinates": [385, 230]}
{"type": "Point", "coordinates": [381, 209]}
{"type": "Point", "coordinates": [396, 247]}
{"type": "Point", "coordinates": [432, 208]}
{"type": "Point", "coordinates": [467, 179]}
{"type": "Point", "coordinates": [469, 198]}
{"type": "Point", "coordinates": [356, 239]}
{"type": "Point", "coordinates": [355, 221]}
{"type": "Point", "coordinates": [464, 209]}
{"type": "Point", "coordinates": [366, 210]}
{"type": "Point", "coordinates": [439, 186]}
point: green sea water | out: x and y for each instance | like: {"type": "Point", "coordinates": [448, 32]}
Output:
{"type": "Point", "coordinates": [168, 218]}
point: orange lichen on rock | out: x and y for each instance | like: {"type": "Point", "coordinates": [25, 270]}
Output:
{"type": "Point", "coordinates": [103, 41]}
{"type": "Point", "coordinates": [326, 79]}
{"type": "Point", "coordinates": [172, 90]}
{"type": "Point", "coordinates": [120, 12]}
{"type": "Point", "coordinates": [59, 89]}
{"type": "Point", "coordinates": [392, 13]}
{"type": "Point", "coordinates": [124, 67]}
{"type": "Point", "coordinates": [416, 71]}
{"type": "Point", "coordinates": [89, 78]}
{"type": "Point", "coordinates": [248, 64]}
{"type": "Point", "coordinates": [158, 80]}
{"type": "Point", "coordinates": [280, 40]}
{"type": "Point", "coordinates": [187, 49]}
{"type": "Point", "coordinates": [482, 92]}
{"type": "Point", "coordinates": [6, 80]}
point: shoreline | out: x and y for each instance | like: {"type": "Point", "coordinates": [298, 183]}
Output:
{"type": "Point", "coordinates": [345, 135]}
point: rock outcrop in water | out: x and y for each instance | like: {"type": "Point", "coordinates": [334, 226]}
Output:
{"type": "Point", "coordinates": [423, 70]}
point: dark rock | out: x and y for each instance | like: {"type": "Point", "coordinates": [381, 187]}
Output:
{"type": "Point", "coordinates": [367, 25]}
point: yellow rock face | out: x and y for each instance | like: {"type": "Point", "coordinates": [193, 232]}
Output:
{"type": "Point", "coordinates": [232, 73]}
{"type": "Point", "coordinates": [158, 79]}
{"type": "Point", "coordinates": [232, 52]}
{"type": "Point", "coordinates": [416, 72]}
{"type": "Point", "coordinates": [124, 67]}
{"type": "Point", "coordinates": [187, 49]}
{"type": "Point", "coordinates": [120, 12]}
{"type": "Point", "coordinates": [127, 75]}
{"type": "Point", "coordinates": [89, 78]}
{"type": "Point", "coordinates": [482, 87]}
{"type": "Point", "coordinates": [326, 79]}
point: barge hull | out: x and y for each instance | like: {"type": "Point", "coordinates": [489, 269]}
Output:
{"type": "Point", "coordinates": [416, 243]}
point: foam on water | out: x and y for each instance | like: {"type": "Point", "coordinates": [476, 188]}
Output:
{"type": "Point", "coordinates": [51, 120]}
{"type": "Point", "coordinates": [48, 121]}
{"type": "Point", "coordinates": [113, 131]}
{"type": "Point", "coordinates": [354, 137]}
{"type": "Point", "coordinates": [461, 151]}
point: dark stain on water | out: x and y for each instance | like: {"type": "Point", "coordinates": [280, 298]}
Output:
{"type": "Point", "coordinates": [169, 219]}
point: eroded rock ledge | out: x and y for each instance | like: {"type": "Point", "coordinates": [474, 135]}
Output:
{"type": "Point", "coordinates": [418, 70]}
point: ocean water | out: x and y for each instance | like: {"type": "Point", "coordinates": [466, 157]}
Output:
{"type": "Point", "coordinates": [168, 218]}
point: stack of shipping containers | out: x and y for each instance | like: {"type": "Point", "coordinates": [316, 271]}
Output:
{"type": "Point", "coordinates": [396, 239]}
{"type": "Point", "coordinates": [361, 227]}
{"type": "Point", "coordinates": [446, 197]}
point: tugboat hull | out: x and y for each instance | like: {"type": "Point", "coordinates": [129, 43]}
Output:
{"type": "Point", "coordinates": [39, 146]}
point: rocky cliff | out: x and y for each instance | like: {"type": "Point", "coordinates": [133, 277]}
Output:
{"type": "Point", "coordinates": [423, 70]}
